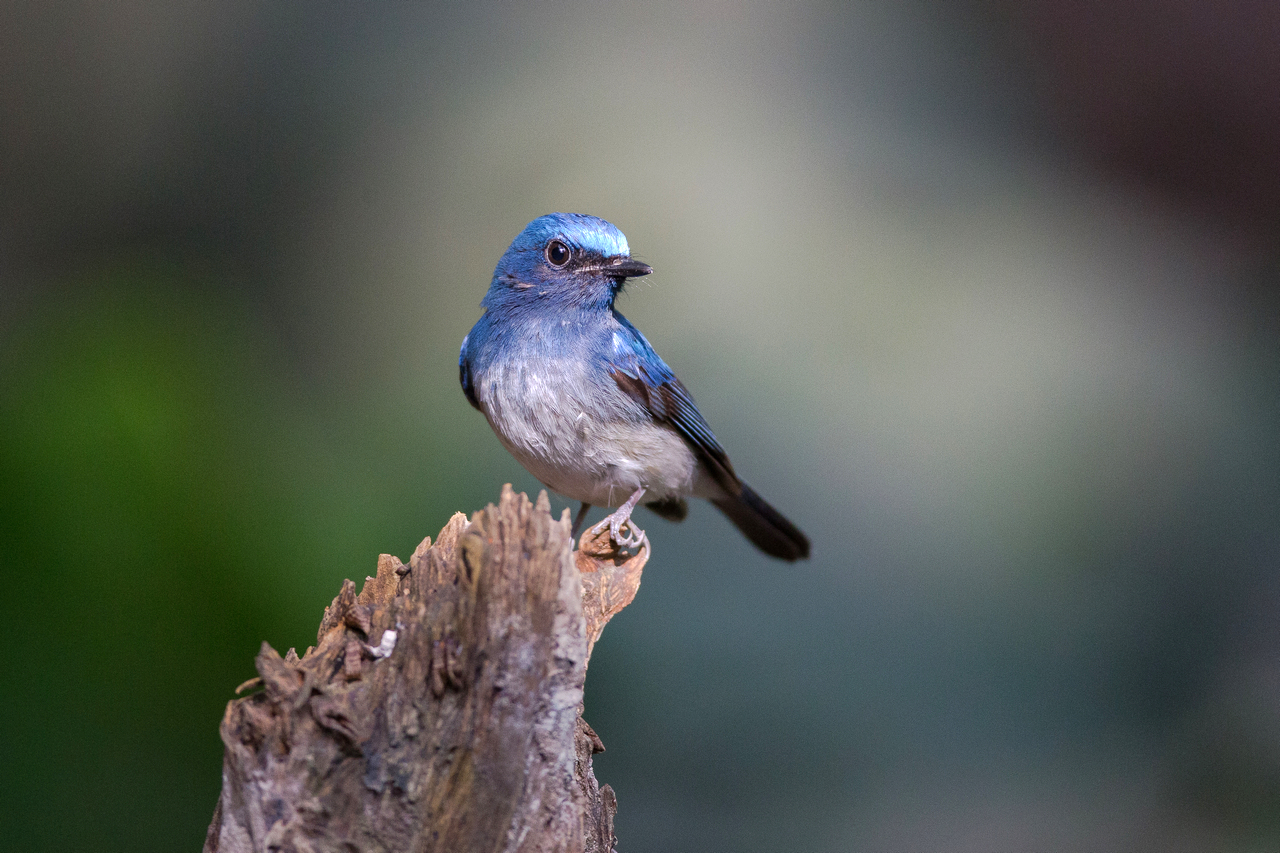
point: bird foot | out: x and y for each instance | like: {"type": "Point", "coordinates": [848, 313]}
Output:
{"type": "Point", "coordinates": [633, 538]}
{"type": "Point", "coordinates": [619, 518]}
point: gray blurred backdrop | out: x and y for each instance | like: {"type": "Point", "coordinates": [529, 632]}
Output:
{"type": "Point", "coordinates": [982, 294]}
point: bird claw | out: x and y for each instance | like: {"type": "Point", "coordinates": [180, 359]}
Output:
{"type": "Point", "coordinates": [620, 517]}
{"type": "Point", "coordinates": [634, 538]}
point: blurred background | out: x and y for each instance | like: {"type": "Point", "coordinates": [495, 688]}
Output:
{"type": "Point", "coordinates": [982, 294]}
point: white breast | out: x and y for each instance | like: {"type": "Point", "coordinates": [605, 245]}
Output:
{"type": "Point", "coordinates": [540, 415]}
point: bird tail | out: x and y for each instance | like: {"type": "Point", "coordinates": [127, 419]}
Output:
{"type": "Point", "coordinates": [767, 529]}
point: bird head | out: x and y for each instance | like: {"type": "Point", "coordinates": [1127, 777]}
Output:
{"type": "Point", "coordinates": [568, 259]}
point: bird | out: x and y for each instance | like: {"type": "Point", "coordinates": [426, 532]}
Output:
{"type": "Point", "coordinates": [579, 397]}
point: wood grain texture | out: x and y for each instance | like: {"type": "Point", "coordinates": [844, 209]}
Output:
{"type": "Point", "coordinates": [462, 731]}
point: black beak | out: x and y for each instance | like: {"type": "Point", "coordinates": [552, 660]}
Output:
{"type": "Point", "coordinates": [624, 268]}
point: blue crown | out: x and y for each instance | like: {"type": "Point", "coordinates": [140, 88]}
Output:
{"type": "Point", "coordinates": [587, 233]}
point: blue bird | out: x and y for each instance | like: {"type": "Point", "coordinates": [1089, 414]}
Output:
{"type": "Point", "coordinates": [580, 398]}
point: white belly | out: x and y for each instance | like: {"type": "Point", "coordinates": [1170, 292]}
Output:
{"type": "Point", "coordinates": [540, 417]}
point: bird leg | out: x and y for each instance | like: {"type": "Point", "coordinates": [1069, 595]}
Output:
{"type": "Point", "coordinates": [581, 517]}
{"type": "Point", "coordinates": [619, 517]}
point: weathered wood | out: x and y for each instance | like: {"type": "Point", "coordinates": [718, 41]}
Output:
{"type": "Point", "coordinates": [440, 709]}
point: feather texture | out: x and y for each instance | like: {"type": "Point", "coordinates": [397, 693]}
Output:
{"type": "Point", "coordinates": [577, 394]}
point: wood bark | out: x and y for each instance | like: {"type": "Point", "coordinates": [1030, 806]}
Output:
{"type": "Point", "coordinates": [441, 707]}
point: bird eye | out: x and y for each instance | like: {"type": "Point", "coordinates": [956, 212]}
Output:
{"type": "Point", "coordinates": [558, 253]}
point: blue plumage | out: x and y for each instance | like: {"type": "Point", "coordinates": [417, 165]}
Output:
{"type": "Point", "coordinates": [580, 398]}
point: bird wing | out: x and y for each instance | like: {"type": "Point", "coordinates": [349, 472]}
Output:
{"type": "Point", "coordinates": [464, 375]}
{"type": "Point", "coordinates": [644, 377]}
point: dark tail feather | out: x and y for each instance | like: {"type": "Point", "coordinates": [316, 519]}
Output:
{"type": "Point", "coordinates": [764, 525]}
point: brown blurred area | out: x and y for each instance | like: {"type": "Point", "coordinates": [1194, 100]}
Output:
{"type": "Point", "coordinates": [1176, 98]}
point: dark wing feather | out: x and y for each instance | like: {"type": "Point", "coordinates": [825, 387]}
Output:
{"type": "Point", "coordinates": [464, 376]}
{"type": "Point", "coordinates": [645, 377]}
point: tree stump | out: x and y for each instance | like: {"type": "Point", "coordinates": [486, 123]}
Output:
{"type": "Point", "coordinates": [441, 707]}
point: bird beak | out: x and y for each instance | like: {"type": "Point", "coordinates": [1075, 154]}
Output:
{"type": "Point", "coordinates": [624, 268]}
